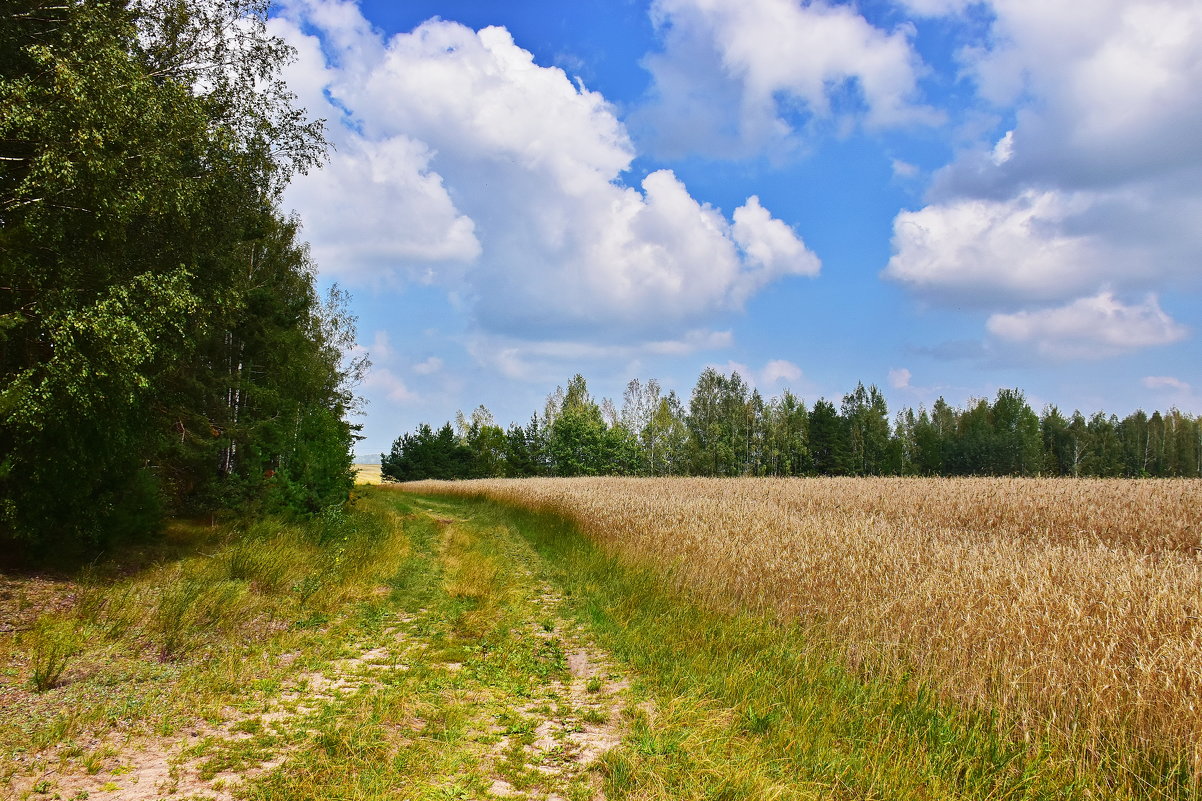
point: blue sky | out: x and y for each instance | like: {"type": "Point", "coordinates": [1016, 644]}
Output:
{"type": "Point", "coordinates": [940, 197]}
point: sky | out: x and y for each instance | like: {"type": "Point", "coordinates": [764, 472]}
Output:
{"type": "Point", "coordinates": [939, 197]}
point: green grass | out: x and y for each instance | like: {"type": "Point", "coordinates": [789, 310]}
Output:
{"type": "Point", "coordinates": [477, 684]}
{"type": "Point", "coordinates": [173, 636]}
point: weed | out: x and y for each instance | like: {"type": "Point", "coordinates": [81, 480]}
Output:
{"type": "Point", "coordinates": [308, 586]}
{"type": "Point", "coordinates": [757, 722]}
{"type": "Point", "coordinates": [512, 723]}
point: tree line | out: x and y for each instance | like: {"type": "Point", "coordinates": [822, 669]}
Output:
{"type": "Point", "coordinates": [163, 347]}
{"type": "Point", "coordinates": [728, 428]}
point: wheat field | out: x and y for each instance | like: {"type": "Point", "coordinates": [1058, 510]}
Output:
{"type": "Point", "coordinates": [367, 474]}
{"type": "Point", "coordinates": [1072, 607]}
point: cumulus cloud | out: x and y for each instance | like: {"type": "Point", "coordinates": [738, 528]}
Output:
{"type": "Point", "coordinates": [770, 245]}
{"type": "Point", "coordinates": [1046, 244]}
{"type": "Point", "coordinates": [1113, 84]}
{"type": "Point", "coordinates": [738, 77]}
{"type": "Point", "coordinates": [1093, 187]}
{"type": "Point", "coordinates": [462, 160]}
{"type": "Point", "coordinates": [1091, 327]}
{"type": "Point", "coordinates": [975, 249]}
{"type": "Point", "coordinates": [382, 209]}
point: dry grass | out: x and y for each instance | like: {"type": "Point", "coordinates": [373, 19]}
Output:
{"type": "Point", "coordinates": [1073, 607]}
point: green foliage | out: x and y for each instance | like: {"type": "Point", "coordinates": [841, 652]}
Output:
{"type": "Point", "coordinates": [869, 442]}
{"type": "Point", "coordinates": [729, 429]}
{"type": "Point", "coordinates": [577, 442]}
{"type": "Point", "coordinates": [427, 454]}
{"type": "Point", "coordinates": [829, 444]}
{"type": "Point", "coordinates": [162, 346]}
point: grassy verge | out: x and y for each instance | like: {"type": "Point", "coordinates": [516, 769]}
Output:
{"type": "Point", "coordinates": [179, 639]}
{"type": "Point", "coordinates": [397, 651]}
{"type": "Point", "coordinates": [744, 707]}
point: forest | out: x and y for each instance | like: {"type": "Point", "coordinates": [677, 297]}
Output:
{"type": "Point", "coordinates": [163, 346]}
{"type": "Point", "coordinates": [727, 428]}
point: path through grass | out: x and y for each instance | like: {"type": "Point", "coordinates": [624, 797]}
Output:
{"type": "Point", "coordinates": [445, 670]}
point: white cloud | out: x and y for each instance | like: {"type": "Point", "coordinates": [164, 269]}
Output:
{"type": "Point", "coordinates": [1113, 81]}
{"type": "Point", "coordinates": [549, 361]}
{"type": "Point", "coordinates": [936, 8]}
{"type": "Point", "coordinates": [428, 366]}
{"type": "Point", "coordinates": [384, 381]}
{"type": "Point", "coordinates": [1165, 382]}
{"type": "Point", "coordinates": [381, 209]}
{"type": "Point", "coordinates": [739, 76]}
{"type": "Point", "coordinates": [1174, 392]}
{"type": "Point", "coordinates": [1047, 244]}
{"type": "Point", "coordinates": [745, 372]}
{"type": "Point", "coordinates": [1098, 183]}
{"type": "Point", "coordinates": [770, 244]}
{"type": "Point", "coordinates": [977, 249]}
{"type": "Point", "coordinates": [780, 370]}
{"type": "Point", "coordinates": [691, 342]}
{"type": "Point", "coordinates": [903, 169]}
{"type": "Point", "coordinates": [381, 347]}
{"type": "Point", "coordinates": [462, 160]}
{"type": "Point", "coordinates": [774, 372]}
{"type": "Point", "coordinates": [899, 378]}
{"type": "Point", "coordinates": [1091, 327]}
{"type": "Point", "coordinates": [1003, 151]}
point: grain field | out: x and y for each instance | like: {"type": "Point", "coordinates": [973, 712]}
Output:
{"type": "Point", "coordinates": [1071, 608]}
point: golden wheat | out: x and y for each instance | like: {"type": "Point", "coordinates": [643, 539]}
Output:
{"type": "Point", "coordinates": [367, 474]}
{"type": "Point", "coordinates": [1071, 606]}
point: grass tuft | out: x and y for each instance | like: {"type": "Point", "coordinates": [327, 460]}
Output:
{"type": "Point", "coordinates": [54, 641]}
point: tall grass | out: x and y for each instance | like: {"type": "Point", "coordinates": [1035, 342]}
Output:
{"type": "Point", "coordinates": [53, 643]}
{"type": "Point", "coordinates": [1068, 609]}
{"type": "Point", "coordinates": [156, 638]}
